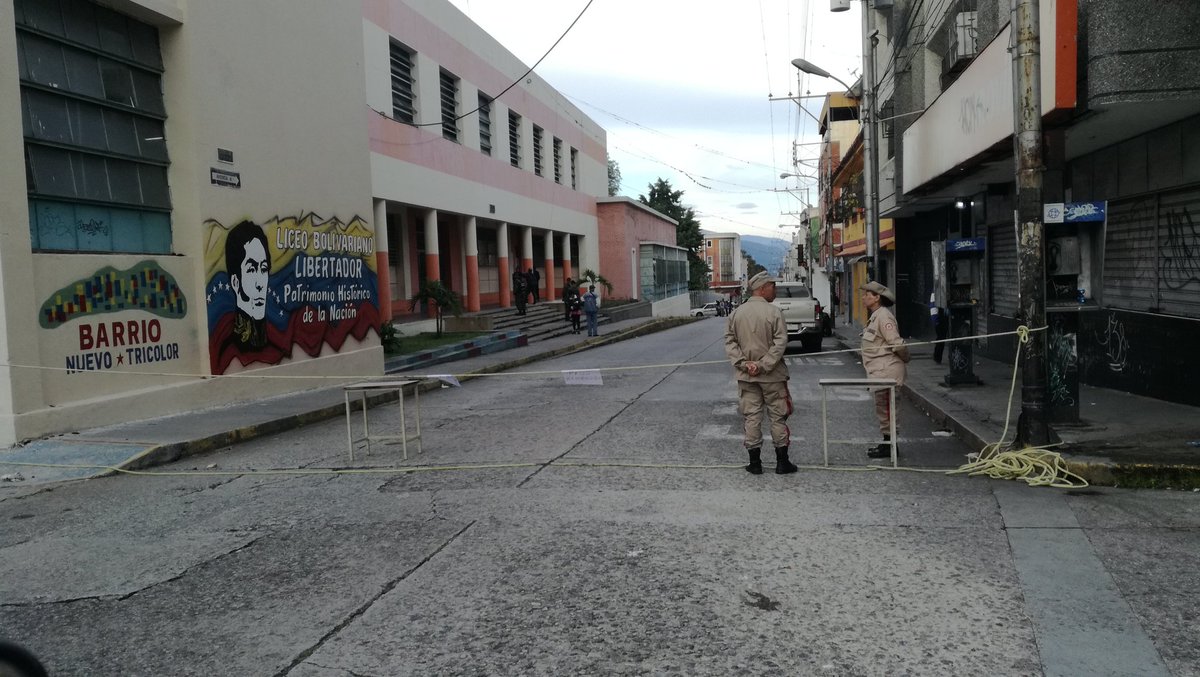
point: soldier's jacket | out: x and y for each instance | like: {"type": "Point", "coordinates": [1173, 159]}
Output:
{"type": "Point", "coordinates": [878, 341]}
{"type": "Point", "coordinates": [756, 332]}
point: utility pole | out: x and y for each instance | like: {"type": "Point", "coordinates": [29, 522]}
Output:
{"type": "Point", "coordinates": [870, 143]}
{"type": "Point", "coordinates": [1032, 426]}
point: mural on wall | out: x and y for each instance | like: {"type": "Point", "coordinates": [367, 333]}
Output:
{"type": "Point", "coordinates": [291, 281]}
{"type": "Point", "coordinates": [114, 343]}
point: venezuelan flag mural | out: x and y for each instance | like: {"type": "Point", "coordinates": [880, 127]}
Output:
{"type": "Point", "coordinates": [289, 282]}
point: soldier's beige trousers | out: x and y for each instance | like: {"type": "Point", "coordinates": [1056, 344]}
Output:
{"type": "Point", "coordinates": [883, 411]}
{"type": "Point", "coordinates": [776, 399]}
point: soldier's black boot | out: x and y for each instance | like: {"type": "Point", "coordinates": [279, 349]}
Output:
{"type": "Point", "coordinates": [755, 466]}
{"type": "Point", "coordinates": [782, 465]}
{"type": "Point", "coordinates": [883, 450]}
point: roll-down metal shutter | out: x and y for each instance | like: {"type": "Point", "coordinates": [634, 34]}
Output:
{"type": "Point", "coordinates": [1179, 253]}
{"type": "Point", "coordinates": [1129, 277]}
{"type": "Point", "coordinates": [1002, 263]}
{"type": "Point", "coordinates": [1152, 253]}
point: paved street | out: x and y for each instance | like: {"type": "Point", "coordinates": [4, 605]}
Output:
{"type": "Point", "coordinates": [613, 533]}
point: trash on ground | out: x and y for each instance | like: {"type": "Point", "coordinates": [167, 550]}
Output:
{"type": "Point", "coordinates": [943, 433]}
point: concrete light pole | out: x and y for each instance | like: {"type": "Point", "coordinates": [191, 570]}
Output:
{"type": "Point", "coordinates": [866, 117]}
{"type": "Point", "coordinates": [1032, 426]}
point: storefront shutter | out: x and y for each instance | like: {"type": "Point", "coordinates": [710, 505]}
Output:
{"type": "Point", "coordinates": [1002, 260]}
{"type": "Point", "coordinates": [1129, 277]}
{"type": "Point", "coordinates": [1179, 253]}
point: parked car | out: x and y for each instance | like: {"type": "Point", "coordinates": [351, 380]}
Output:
{"type": "Point", "coordinates": [802, 313]}
{"type": "Point", "coordinates": [707, 310]}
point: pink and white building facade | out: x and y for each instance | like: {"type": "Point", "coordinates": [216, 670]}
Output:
{"type": "Point", "coordinates": [474, 177]}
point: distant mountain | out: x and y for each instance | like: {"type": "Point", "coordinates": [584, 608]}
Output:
{"type": "Point", "coordinates": [767, 251]}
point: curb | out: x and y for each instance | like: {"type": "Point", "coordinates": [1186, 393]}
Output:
{"type": "Point", "coordinates": [1135, 475]}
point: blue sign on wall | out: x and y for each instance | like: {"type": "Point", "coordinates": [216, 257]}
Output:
{"type": "Point", "coordinates": [966, 244]}
{"type": "Point", "coordinates": [1079, 212]}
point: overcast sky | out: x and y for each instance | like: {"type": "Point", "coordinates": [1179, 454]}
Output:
{"type": "Point", "coordinates": [682, 87]}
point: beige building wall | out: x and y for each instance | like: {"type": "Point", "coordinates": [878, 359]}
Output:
{"type": "Point", "coordinates": [284, 91]}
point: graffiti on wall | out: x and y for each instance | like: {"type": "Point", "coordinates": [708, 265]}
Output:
{"type": "Point", "coordinates": [1113, 344]}
{"type": "Point", "coordinates": [1062, 358]}
{"type": "Point", "coordinates": [1180, 250]}
{"type": "Point", "coordinates": [289, 282]}
{"type": "Point", "coordinates": [107, 344]}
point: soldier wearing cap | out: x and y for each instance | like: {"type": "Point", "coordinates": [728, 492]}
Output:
{"type": "Point", "coordinates": [755, 338]}
{"type": "Point", "coordinates": [883, 354]}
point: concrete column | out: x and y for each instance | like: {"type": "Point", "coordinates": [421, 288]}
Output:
{"type": "Point", "coordinates": [382, 264]}
{"type": "Point", "coordinates": [506, 299]}
{"type": "Point", "coordinates": [433, 268]}
{"type": "Point", "coordinates": [568, 271]}
{"type": "Point", "coordinates": [526, 248]}
{"type": "Point", "coordinates": [407, 262]}
{"type": "Point", "coordinates": [472, 247]}
{"type": "Point", "coordinates": [549, 274]}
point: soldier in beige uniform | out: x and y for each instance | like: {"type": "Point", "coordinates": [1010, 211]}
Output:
{"type": "Point", "coordinates": [883, 354]}
{"type": "Point", "coordinates": [755, 338]}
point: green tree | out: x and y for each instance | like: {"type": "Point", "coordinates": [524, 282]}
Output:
{"type": "Point", "coordinates": [614, 177]}
{"type": "Point", "coordinates": [752, 267]}
{"type": "Point", "coordinates": [687, 229]}
{"type": "Point", "coordinates": [443, 298]}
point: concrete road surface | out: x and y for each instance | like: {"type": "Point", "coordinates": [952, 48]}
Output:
{"type": "Point", "coordinates": [599, 529]}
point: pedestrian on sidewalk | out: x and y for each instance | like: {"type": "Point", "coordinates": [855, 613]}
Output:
{"type": "Point", "coordinates": [570, 291]}
{"type": "Point", "coordinates": [574, 310]}
{"type": "Point", "coordinates": [883, 356]}
{"type": "Point", "coordinates": [755, 339]}
{"type": "Point", "coordinates": [937, 315]}
{"type": "Point", "coordinates": [520, 287]}
{"type": "Point", "coordinates": [534, 279]}
{"type": "Point", "coordinates": [591, 306]}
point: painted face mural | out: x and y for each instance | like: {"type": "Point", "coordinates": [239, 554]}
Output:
{"type": "Point", "coordinates": [290, 282]}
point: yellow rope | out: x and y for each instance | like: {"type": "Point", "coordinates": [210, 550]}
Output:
{"type": "Point", "coordinates": [1036, 466]}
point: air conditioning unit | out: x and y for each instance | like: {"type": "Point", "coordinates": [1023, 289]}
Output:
{"type": "Point", "coordinates": [964, 43]}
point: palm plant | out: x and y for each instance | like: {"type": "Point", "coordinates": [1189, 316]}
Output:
{"type": "Point", "coordinates": [592, 278]}
{"type": "Point", "coordinates": [443, 298]}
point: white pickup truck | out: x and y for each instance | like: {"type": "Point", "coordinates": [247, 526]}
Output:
{"type": "Point", "coordinates": [801, 312]}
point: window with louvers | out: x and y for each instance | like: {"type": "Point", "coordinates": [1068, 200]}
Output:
{"type": "Point", "coordinates": [557, 160]}
{"type": "Point", "coordinates": [514, 139]}
{"type": "Point", "coordinates": [404, 98]}
{"type": "Point", "coordinates": [485, 124]}
{"type": "Point", "coordinates": [537, 150]}
{"type": "Point", "coordinates": [450, 87]}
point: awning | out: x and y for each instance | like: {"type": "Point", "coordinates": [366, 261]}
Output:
{"type": "Point", "coordinates": [853, 250]}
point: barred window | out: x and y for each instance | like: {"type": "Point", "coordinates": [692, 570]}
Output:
{"type": "Point", "coordinates": [93, 120]}
{"type": "Point", "coordinates": [404, 98]}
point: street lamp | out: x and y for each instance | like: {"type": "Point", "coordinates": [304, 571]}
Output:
{"type": "Point", "coordinates": [867, 116]}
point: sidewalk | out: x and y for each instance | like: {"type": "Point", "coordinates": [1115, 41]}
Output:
{"type": "Point", "coordinates": [1121, 438]}
{"type": "Point", "coordinates": [143, 444]}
